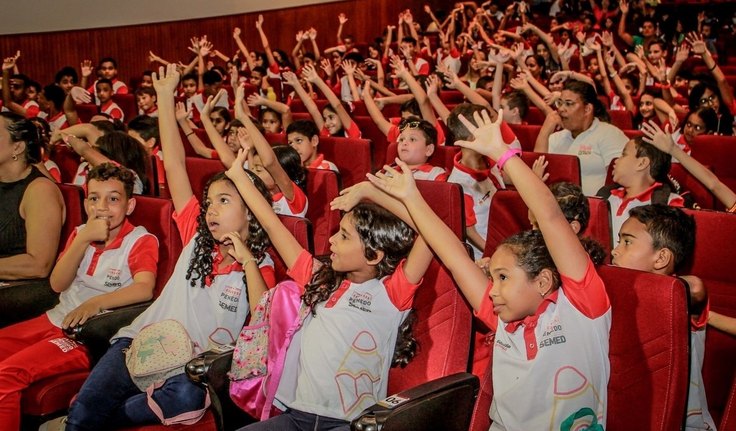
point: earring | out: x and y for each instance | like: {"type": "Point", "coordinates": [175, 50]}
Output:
{"type": "Point", "coordinates": [15, 157]}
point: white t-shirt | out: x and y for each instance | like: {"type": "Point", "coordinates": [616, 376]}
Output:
{"type": "Point", "coordinates": [595, 148]}
{"type": "Point", "coordinates": [620, 206]}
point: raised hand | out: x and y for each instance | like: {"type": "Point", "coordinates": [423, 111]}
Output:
{"type": "Point", "coordinates": [310, 74]}
{"type": "Point", "coordinates": [326, 66]}
{"type": "Point", "coordinates": [400, 70]}
{"type": "Point", "coordinates": [551, 97]}
{"type": "Point", "coordinates": [539, 167]}
{"type": "Point", "coordinates": [211, 103]}
{"type": "Point", "coordinates": [624, 6]}
{"type": "Point", "coordinates": [400, 185]}
{"type": "Point", "coordinates": [654, 135]}
{"type": "Point", "coordinates": [291, 78]}
{"type": "Point", "coordinates": [488, 140]}
{"type": "Point", "coordinates": [698, 44]}
{"type": "Point", "coordinates": [607, 39]}
{"type": "Point", "coordinates": [236, 33]}
{"type": "Point", "coordinates": [8, 63]}
{"type": "Point", "coordinates": [243, 139]}
{"type": "Point", "coordinates": [255, 99]}
{"type": "Point", "coordinates": [86, 68]}
{"type": "Point", "coordinates": [519, 83]}
{"type": "Point", "coordinates": [80, 95]}
{"type": "Point", "coordinates": [259, 22]}
{"type": "Point", "coordinates": [560, 76]}
{"type": "Point", "coordinates": [349, 197]}
{"type": "Point", "coordinates": [342, 19]}
{"type": "Point", "coordinates": [349, 67]}
{"type": "Point", "coordinates": [433, 85]}
{"type": "Point", "coordinates": [299, 36]}
{"type": "Point", "coordinates": [236, 169]}
{"type": "Point", "coordinates": [166, 81]}
{"type": "Point", "coordinates": [181, 112]}
{"type": "Point", "coordinates": [682, 54]}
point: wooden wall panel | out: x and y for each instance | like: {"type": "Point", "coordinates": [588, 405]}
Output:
{"type": "Point", "coordinates": [45, 53]}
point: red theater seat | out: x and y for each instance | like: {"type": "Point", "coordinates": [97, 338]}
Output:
{"type": "Point", "coordinates": [353, 157]}
{"type": "Point", "coordinates": [621, 119]}
{"type": "Point", "coordinates": [199, 171]}
{"type": "Point", "coordinates": [301, 228]}
{"type": "Point", "coordinates": [370, 131]}
{"type": "Point", "coordinates": [86, 111]}
{"type": "Point", "coordinates": [67, 160]}
{"type": "Point", "coordinates": [649, 341]}
{"type": "Point", "coordinates": [128, 104]}
{"type": "Point", "coordinates": [322, 187]}
{"type": "Point", "coordinates": [526, 134]}
{"type": "Point", "coordinates": [74, 207]}
{"type": "Point", "coordinates": [718, 152]}
{"type": "Point", "coordinates": [534, 116]}
{"type": "Point", "coordinates": [562, 167]}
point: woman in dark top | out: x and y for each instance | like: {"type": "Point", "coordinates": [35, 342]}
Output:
{"type": "Point", "coordinates": [31, 206]}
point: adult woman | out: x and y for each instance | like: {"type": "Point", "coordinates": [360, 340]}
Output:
{"type": "Point", "coordinates": [31, 216]}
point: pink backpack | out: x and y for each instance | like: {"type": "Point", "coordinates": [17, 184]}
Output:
{"type": "Point", "coordinates": [260, 352]}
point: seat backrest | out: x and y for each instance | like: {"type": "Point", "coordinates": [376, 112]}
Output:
{"type": "Point", "coordinates": [526, 134]}
{"type": "Point", "coordinates": [199, 171]}
{"type": "Point", "coordinates": [67, 160]}
{"type": "Point", "coordinates": [534, 116]}
{"type": "Point", "coordinates": [649, 345]}
{"type": "Point", "coordinates": [443, 156]}
{"type": "Point", "coordinates": [156, 215]}
{"type": "Point", "coordinates": [621, 119]}
{"type": "Point", "coordinates": [353, 157]}
{"type": "Point", "coordinates": [599, 225]}
{"type": "Point", "coordinates": [713, 258]}
{"type": "Point", "coordinates": [562, 167]}
{"type": "Point", "coordinates": [301, 228]}
{"type": "Point", "coordinates": [718, 152]}
{"type": "Point", "coordinates": [86, 111]}
{"type": "Point", "coordinates": [370, 131]}
{"type": "Point", "coordinates": [127, 103]}
{"type": "Point", "coordinates": [322, 187]}
{"type": "Point", "coordinates": [443, 323]}
{"type": "Point", "coordinates": [74, 207]}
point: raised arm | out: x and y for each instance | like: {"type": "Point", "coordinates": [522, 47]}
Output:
{"type": "Point", "coordinates": [84, 149]}
{"type": "Point", "coordinates": [264, 40]}
{"type": "Point", "coordinates": [243, 49]}
{"type": "Point", "coordinates": [700, 48]}
{"type": "Point", "coordinates": [622, 33]}
{"type": "Point", "coordinates": [376, 115]}
{"type": "Point", "coordinates": [433, 88]}
{"type": "Point", "coordinates": [197, 145]}
{"type": "Point", "coordinates": [283, 109]}
{"type": "Point", "coordinates": [349, 67]}
{"type": "Point", "coordinates": [177, 179]}
{"type": "Point", "coordinates": [419, 95]}
{"type": "Point", "coordinates": [311, 75]}
{"type": "Point", "coordinates": [218, 142]}
{"type": "Point", "coordinates": [308, 102]}
{"type": "Point", "coordinates": [286, 245]}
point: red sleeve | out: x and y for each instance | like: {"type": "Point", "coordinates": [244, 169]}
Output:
{"type": "Point", "coordinates": [399, 289]}
{"type": "Point", "coordinates": [302, 270]}
{"type": "Point", "coordinates": [677, 201]}
{"type": "Point", "coordinates": [274, 68]}
{"type": "Point", "coordinates": [299, 202]}
{"type": "Point", "coordinates": [587, 295]}
{"type": "Point", "coordinates": [123, 89]}
{"type": "Point", "coordinates": [353, 131]}
{"type": "Point", "coordinates": [424, 69]}
{"type": "Point", "coordinates": [442, 177]}
{"type": "Point", "coordinates": [186, 220]}
{"type": "Point", "coordinates": [143, 256]}
{"type": "Point", "coordinates": [55, 173]}
{"type": "Point", "coordinates": [269, 275]}
{"type": "Point", "coordinates": [507, 134]}
{"type": "Point", "coordinates": [116, 113]}
{"type": "Point", "coordinates": [393, 134]}
{"type": "Point", "coordinates": [440, 133]}
{"type": "Point", "coordinates": [32, 111]}
{"type": "Point", "coordinates": [324, 133]}
{"type": "Point", "coordinates": [470, 219]}
{"type": "Point", "coordinates": [485, 312]}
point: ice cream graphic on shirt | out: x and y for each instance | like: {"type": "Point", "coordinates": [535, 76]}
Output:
{"type": "Point", "coordinates": [355, 385]}
{"type": "Point", "coordinates": [570, 383]}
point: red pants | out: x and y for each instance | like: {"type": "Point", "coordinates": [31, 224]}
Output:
{"type": "Point", "coordinates": [31, 351]}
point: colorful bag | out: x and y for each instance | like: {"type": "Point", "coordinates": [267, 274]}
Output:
{"type": "Point", "coordinates": [161, 350]}
{"type": "Point", "coordinates": [260, 352]}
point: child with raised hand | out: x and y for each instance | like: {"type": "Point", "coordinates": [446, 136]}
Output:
{"type": "Point", "coordinates": [226, 144]}
{"type": "Point", "coordinates": [106, 263]}
{"type": "Point", "coordinates": [334, 120]}
{"type": "Point", "coordinates": [545, 301]}
{"type": "Point", "coordinates": [662, 139]}
{"type": "Point", "coordinates": [372, 256]}
{"type": "Point", "coordinates": [274, 116]}
{"type": "Point", "coordinates": [219, 276]}
{"type": "Point", "coordinates": [303, 136]}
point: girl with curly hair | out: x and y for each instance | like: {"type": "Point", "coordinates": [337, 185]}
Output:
{"type": "Point", "coordinates": [219, 277]}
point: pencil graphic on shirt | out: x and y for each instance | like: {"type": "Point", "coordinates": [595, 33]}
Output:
{"type": "Point", "coordinates": [570, 383]}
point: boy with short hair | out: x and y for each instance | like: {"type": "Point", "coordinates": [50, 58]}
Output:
{"type": "Point", "coordinates": [145, 97]}
{"type": "Point", "coordinates": [15, 94]}
{"type": "Point", "coordinates": [104, 88]}
{"type": "Point", "coordinates": [659, 239]}
{"type": "Point", "coordinates": [106, 263]}
{"type": "Point", "coordinates": [108, 69]}
{"type": "Point", "coordinates": [66, 78]}
{"type": "Point", "coordinates": [144, 129]}
{"type": "Point", "coordinates": [212, 82]}
{"type": "Point", "coordinates": [303, 136]}
{"type": "Point", "coordinates": [51, 102]}
{"type": "Point", "coordinates": [640, 178]}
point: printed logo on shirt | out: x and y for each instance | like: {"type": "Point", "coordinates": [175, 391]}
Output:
{"type": "Point", "coordinates": [64, 344]}
{"type": "Point", "coordinates": [585, 150]}
{"type": "Point", "coordinates": [553, 334]}
{"type": "Point", "coordinates": [229, 298]}
{"type": "Point", "coordinates": [503, 346]}
{"type": "Point", "coordinates": [112, 279]}
{"type": "Point", "coordinates": [361, 301]}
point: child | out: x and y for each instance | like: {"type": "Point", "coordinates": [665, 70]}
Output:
{"type": "Point", "coordinates": [66, 78]}
{"type": "Point", "coordinates": [303, 136]}
{"type": "Point", "coordinates": [144, 129]}
{"type": "Point", "coordinates": [106, 263]}
{"type": "Point", "coordinates": [416, 144]}
{"type": "Point", "coordinates": [145, 97]}
{"type": "Point", "coordinates": [274, 116]}
{"type": "Point", "coordinates": [658, 239]}
{"type": "Point", "coordinates": [340, 339]}
{"type": "Point", "coordinates": [51, 102]}
{"type": "Point", "coordinates": [108, 70]}
{"type": "Point", "coordinates": [640, 178]}
{"type": "Point", "coordinates": [106, 104]}
{"type": "Point", "coordinates": [221, 273]}
{"type": "Point", "coordinates": [545, 301]}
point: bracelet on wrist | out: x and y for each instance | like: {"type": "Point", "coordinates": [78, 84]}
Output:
{"type": "Point", "coordinates": [612, 74]}
{"type": "Point", "coordinates": [711, 69]}
{"type": "Point", "coordinates": [511, 152]}
{"type": "Point", "coordinates": [249, 260]}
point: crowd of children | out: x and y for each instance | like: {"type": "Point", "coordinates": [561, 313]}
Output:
{"type": "Point", "coordinates": [466, 79]}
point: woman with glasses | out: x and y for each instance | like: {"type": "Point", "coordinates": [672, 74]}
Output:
{"type": "Point", "coordinates": [707, 95]}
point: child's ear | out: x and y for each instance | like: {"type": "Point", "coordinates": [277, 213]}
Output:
{"type": "Point", "coordinates": [575, 225]}
{"type": "Point", "coordinates": [429, 150]}
{"type": "Point", "coordinates": [314, 141]}
{"type": "Point", "coordinates": [544, 282]}
{"type": "Point", "coordinates": [131, 206]}
{"type": "Point", "coordinates": [643, 163]}
{"type": "Point", "coordinates": [376, 260]}
{"type": "Point", "coordinates": [151, 143]}
{"type": "Point", "coordinates": [663, 259]}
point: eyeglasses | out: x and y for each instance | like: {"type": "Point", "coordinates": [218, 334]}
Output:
{"type": "Point", "coordinates": [708, 100]}
{"type": "Point", "coordinates": [567, 103]}
{"type": "Point", "coordinates": [410, 125]}
{"type": "Point", "coordinates": [696, 127]}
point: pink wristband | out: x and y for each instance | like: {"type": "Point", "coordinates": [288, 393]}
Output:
{"type": "Point", "coordinates": [511, 152]}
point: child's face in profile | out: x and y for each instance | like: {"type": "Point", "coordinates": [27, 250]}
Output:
{"type": "Point", "coordinates": [514, 295]}
{"type": "Point", "coordinates": [104, 92]}
{"type": "Point", "coordinates": [635, 248]}
{"type": "Point", "coordinates": [145, 102]}
{"type": "Point", "coordinates": [332, 122]}
{"type": "Point", "coordinates": [226, 211]}
{"type": "Point", "coordinates": [66, 83]}
{"type": "Point", "coordinates": [346, 248]}
{"type": "Point", "coordinates": [307, 148]}
{"type": "Point", "coordinates": [108, 70]}
{"type": "Point", "coordinates": [32, 93]}
{"type": "Point", "coordinates": [412, 147]}
{"type": "Point", "coordinates": [627, 165]}
{"type": "Point", "coordinates": [256, 165]}
{"type": "Point", "coordinates": [190, 87]}
{"type": "Point", "coordinates": [271, 122]}
{"type": "Point", "coordinates": [107, 200]}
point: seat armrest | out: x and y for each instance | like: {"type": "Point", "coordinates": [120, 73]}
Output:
{"type": "Point", "coordinates": [96, 332]}
{"type": "Point", "coordinates": [445, 403]}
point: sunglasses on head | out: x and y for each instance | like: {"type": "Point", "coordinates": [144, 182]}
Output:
{"type": "Point", "coordinates": [410, 125]}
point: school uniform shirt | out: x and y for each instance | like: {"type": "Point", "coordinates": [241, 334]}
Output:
{"type": "Point", "coordinates": [338, 362]}
{"type": "Point", "coordinates": [320, 163]}
{"type": "Point", "coordinates": [57, 122]}
{"type": "Point", "coordinates": [679, 139]}
{"type": "Point", "coordinates": [108, 268]}
{"type": "Point", "coordinates": [621, 205]}
{"type": "Point", "coordinates": [421, 65]}
{"type": "Point", "coordinates": [595, 147]}
{"type": "Point", "coordinates": [31, 107]}
{"type": "Point", "coordinates": [394, 132]}
{"type": "Point", "coordinates": [479, 186]}
{"type": "Point", "coordinates": [118, 87]}
{"type": "Point", "coordinates": [80, 177]}
{"type": "Point", "coordinates": [212, 312]}
{"type": "Point", "coordinates": [554, 364]}
{"type": "Point", "coordinates": [352, 132]}
{"type": "Point", "coordinates": [196, 104]}
{"type": "Point", "coordinates": [450, 59]}
{"type": "Point", "coordinates": [296, 207]}
{"type": "Point", "coordinates": [53, 169]}
{"type": "Point", "coordinates": [429, 172]}
{"type": "Point", "coordinates": [113, 110]}
{"type": "Point", "coordinates": [153, 112]}
{"type": "Point", "coordinates": [698, 416]}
